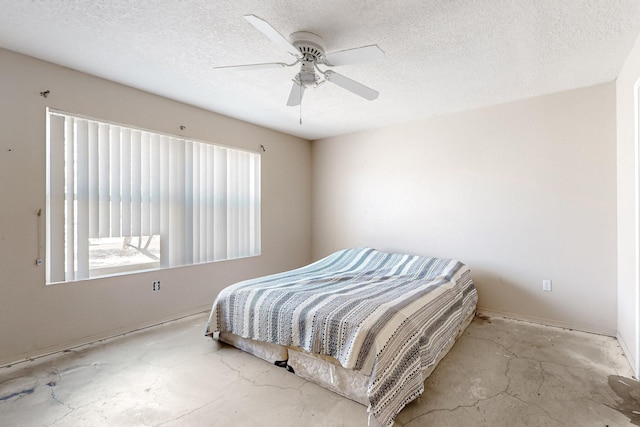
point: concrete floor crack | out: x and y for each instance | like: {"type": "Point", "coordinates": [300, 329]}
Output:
{"type": "Point", "coordinates": [186, 414]}
{"type": "Point", "coordinates": [477, 402]}
{"type": "Point", "coordinates": [544, 378]}
{"type": "Point", "coordinates": [252, 381]}
{"type": "Point", "coordinates": [52, 384]}
{"type": "Point", "coordinates": [505, 348]}
{"type": "Point", "coordinates": [537, 406]}
{"type": "Point", "coordinates": [506, 374]}
{"type": "Point", "coordinates": [450, 410]}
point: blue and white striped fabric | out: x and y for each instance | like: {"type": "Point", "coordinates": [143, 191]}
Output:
{"type": "Point", "coordinates": [386, 315]}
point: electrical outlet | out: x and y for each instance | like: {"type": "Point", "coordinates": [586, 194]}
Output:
{"type": "Point", "coordinates": [546, 285]}
{"type": "Point", "coordinates": [156, 285]}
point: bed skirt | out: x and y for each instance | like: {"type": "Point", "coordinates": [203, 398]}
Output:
{"type": "Point", "coordinates": [325, 370]}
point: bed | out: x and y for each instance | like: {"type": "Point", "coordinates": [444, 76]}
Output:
{"type": "Point", "coordinates": [366, 324]}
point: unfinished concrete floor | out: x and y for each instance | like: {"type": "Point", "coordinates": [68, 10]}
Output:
{"type": "Point", "coordinates": [500, 373]}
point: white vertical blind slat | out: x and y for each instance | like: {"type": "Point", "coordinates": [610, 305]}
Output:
{"type": "Point", "coordinates": [125, 182]}
{"type": "Point", "coordinates": [114, 187]}
{"type": "Point", "coordinates": [82, 199]}
{"type": "Point", "coordinates": [210, 203]}
{"type": "Point", "coordinates": [233, 196]}
{"type": "Point", "coordinates": [136, 183]}
{"type": "Point", "coordinates": [257, 202]}
{"type": "Point", "coordinates": [155, 146]}
{"type": "Point", "coordinates": [252, 204]}
{"type": "Point", "coordinates": [241, 204]}
{"type": "Point", "coordinates": [176, 203]}
{"type": "Point", "coordinates": [188, 231]}
{"type": "Point", "coordinates": [70, 192]}
{"type": "Point", "coordinates": [195, 219]}
{"type": "Point", "coordinates": [55, 221]}
{"type": "Point", "coordinates": [219, 206]}
{"type": "Point", "coordinates": [165, 203]}
{"type": "Point", "coordinates": [244, 224]}
{"type": "Point", "coordinates": [145, 185]}
{"type": "Point", "coordinates": [94, 182]}
{"type": "Point", "coordinates": [104, 182]}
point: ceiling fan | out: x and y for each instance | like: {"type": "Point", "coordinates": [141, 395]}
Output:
{"type": "Point", "coordinates": [308, 50]}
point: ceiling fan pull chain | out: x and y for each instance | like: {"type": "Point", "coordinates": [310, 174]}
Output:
{"type": "Point", "coordinates": [300, 104]}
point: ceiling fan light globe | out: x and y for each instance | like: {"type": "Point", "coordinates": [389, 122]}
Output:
{"type": "Point", "coordinates": [306, 78]}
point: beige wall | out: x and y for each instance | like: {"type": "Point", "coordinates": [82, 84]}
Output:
{"type": "Point", "coordinates": [521, 192]}
{"type": "Point", "coordinates": [628, 256]}
{"type": "Point", "coordinates": [35, 318]}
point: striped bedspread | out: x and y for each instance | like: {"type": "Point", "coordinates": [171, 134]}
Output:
{"type": "Point", "coordinates": [386, 315]}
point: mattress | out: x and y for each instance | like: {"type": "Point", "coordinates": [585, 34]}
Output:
{"type": "Point", "coordinates": [376, 318]}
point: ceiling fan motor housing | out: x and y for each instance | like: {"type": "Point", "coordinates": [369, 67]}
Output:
{"type": "Point", "coordinates": [310, 45]}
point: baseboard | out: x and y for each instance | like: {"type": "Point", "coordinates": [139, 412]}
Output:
{"type": "Point", "coordinates": [630, 355]}
{"type": "Point", "coordinates": [480, 310]}
{"type": "Point", "coordinates": [36, 354]}
{"type": "Point", "coordinates": [548, 322]}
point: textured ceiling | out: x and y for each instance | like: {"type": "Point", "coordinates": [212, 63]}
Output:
{"type": "Point", "coordinates": [441, 56]}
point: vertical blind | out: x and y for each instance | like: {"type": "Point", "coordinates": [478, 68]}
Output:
{"type": "Point", "coordinates": [106, 180]}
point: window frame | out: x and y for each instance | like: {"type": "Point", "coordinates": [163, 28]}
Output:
{"type": "Point", "coordinates": [186, 152]}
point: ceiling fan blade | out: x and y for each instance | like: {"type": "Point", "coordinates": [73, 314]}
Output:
{"type": "Point", "coordinates": [295, 96]}
{"type": "Point", "coordinates": [351, 85]}
{"type": "Point", "coordinates": [266, 28]}
{"type": "Point", "coordinates": [358, 55]}
{"type": "Point", "coordinates": [249, 67]}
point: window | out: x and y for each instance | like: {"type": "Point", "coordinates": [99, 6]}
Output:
{"type": "Point", "coordinates": [123, 199]}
